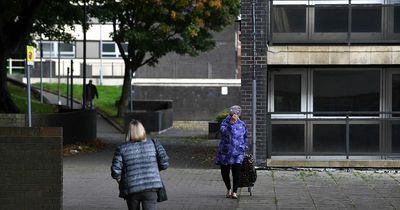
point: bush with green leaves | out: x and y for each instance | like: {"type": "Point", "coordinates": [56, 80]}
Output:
{"type": "Point", "coordinates": [221, 115]}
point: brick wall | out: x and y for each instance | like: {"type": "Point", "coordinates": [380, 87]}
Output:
{"type": "Point", "coordinates": [261, 70]}
{"type": "Point", "coordinates": [30, 168]}
{"type": "Point", "coordinates": [191, 102]}
{"type": "Point", "coordinates": [12, 120]}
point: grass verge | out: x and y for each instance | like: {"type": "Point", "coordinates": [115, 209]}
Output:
{"type": "Point", "coordinates": [108, 95]}
{"type": "Point", "coordinates": [20, 98]}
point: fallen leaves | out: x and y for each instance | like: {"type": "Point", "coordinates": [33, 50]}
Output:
{"type": "Point", "coordinates": [85, 147]}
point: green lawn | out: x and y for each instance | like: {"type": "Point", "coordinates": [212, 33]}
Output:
{"type": "Point", "coordinates": [20, 98]}
{"type": "Point", "coordinates": [107, 95]}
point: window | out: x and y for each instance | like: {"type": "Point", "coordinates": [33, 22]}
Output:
{"type": "Point", "coordinates": [288, 138]}
{"type": "Point", "coordinates": [48, 47]}
{"type": "Point", "coordinates": [340, 91]}
{"type": "Point", "coordinates": [66, 50]}
{"type": "Point", "coordinates": [289, 19]}
{"type": "Point", "coordinates": [329, 138]}
{"type": "Point", "coordinates": [364, 138]}
{"type": "Point", "coordinates": [335, 21]}
{"type": "Point", "coordinates": [287, 93]}
{"type": "Point", "coordinates": [361, 14]}
{"type": "Point", "coordinates": [110, 50]}
{"type": "Point", "coordinates": [325, 96]}
{"type": "Point", "coordinates": [368, 1]}
{"type": "Point", "coordinates": [51, 48]}
{"type": "Point", "coordinates": [396, 19]}
{"type": "Point", "coordinates": [395, 138]}
{"type": "Point", "coordinates": [331, 19]}
{"type": "Point", "coordinates": [396, 92]}
{"type": "Point", "coordinates": [288, 89]}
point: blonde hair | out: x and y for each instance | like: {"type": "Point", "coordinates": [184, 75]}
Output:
{"type": "Point", "coordinates": [135, 131]}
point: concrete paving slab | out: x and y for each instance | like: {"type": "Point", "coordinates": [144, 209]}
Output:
{"type": "Point", "coordinates": [194, 182]}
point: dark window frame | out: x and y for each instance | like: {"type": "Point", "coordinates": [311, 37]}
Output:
{"type": "Point", "coordinates": [386, 35]}
{"type": "Point", "coordinates": [313, 72]}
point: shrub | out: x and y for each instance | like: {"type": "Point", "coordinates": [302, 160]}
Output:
{"type": "Point", "coordinates": [221, 116]}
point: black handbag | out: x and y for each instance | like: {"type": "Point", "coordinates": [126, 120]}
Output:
{"type": "Point", "coordinates": [162, 192]}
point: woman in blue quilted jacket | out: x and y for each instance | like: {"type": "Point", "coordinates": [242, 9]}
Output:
{"type": "Point", "coordinates": [231, 149]}
{"type": "Point", "coordinates": [136, 166]}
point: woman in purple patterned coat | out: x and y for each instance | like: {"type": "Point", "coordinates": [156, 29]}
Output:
{"type": "Point", "coordinates": [231, 149]}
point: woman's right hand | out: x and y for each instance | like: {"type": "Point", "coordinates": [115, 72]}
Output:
{"type": "Point", "coordinates": [234, 119]}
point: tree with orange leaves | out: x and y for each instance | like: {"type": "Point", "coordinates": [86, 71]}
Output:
{"type": "Point", "coordinates": [153, 28]}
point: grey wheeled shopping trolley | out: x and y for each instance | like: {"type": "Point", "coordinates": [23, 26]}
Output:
{"type": "Point", "coordinates": [248, 173]}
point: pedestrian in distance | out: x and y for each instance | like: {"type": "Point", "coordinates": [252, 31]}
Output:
{"type": "Point", "coordinates": [231, 149]}
{"type": "Point", "coordinates": [91, 92]}
{"type": "Point", "coordinates": [135, 166]}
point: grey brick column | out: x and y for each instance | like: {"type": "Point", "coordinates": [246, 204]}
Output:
{"type": "Point", "coordinates": [261, 9]}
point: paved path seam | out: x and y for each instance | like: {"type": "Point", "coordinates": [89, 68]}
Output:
{"type": "Point", "coordinates": [366, 180]}
{"type": "Point", "coordinates": [308, 191]}
{"type": "Point", "coordinates": [340, 188]}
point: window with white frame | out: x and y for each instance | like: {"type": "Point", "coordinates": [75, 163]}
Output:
{"type": "Point", "coordinates": [288, 91]}
{"type": "Point", "coordinates": [110, 50]}
{"type": "Point", "coordinates": [51, 49]}
{"type": "Point", "coordinates": [67, 50]}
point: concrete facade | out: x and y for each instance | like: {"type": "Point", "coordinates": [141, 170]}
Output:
{"type": "Point", "coordinates": [31, 168]}
{"type": "Point", "coordinates": [333, 55]}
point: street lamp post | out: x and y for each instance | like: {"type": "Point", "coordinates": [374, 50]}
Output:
{"type": "Point", "coordinates": [83, 3]}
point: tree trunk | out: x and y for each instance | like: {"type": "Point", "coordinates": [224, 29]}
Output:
{"type": "Point", "coordinates": [7, 105]}
{"type": "Point", "coordinates": [124, 99]}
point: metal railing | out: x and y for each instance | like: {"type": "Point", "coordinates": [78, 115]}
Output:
{"type": "Point", "coordinates": [357, 134]}
{"type": "Point", "coordinates": [15, 64]}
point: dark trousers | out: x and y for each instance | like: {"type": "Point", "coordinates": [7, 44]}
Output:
{"type": "Point", "coordinates": [90, 103]}
{"type": "Point", "coordinates": [225, 170]}
{"type": "Point", "coordinates": [148, 200]}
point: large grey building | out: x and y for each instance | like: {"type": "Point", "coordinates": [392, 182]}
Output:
{"type": "Point", "coordinates": [327, 75]}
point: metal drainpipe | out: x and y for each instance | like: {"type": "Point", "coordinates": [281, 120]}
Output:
{"type": "Point", "coordinates": [267, 37]}
{"type": "Point", "coordinates": [254, 84]}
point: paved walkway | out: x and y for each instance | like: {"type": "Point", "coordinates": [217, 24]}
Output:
{"type": "Point", "coordinates": [87, 185]}
{"type": "Point", "coordinates": [193, 182]}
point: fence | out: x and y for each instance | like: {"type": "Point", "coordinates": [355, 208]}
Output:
{"type": "Point", "coordinates": [16, 64]}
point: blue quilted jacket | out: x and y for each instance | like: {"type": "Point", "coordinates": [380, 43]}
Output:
{"type": "Point", "coordinates": [135, 164]}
